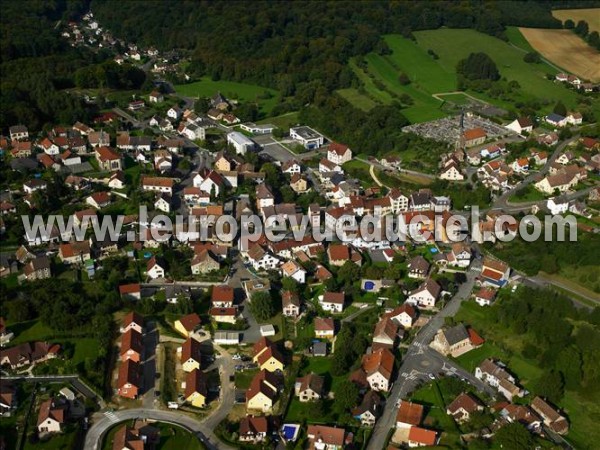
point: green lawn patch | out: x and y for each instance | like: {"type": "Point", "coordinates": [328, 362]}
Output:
{"type": "Point", "coordinates": [284, 121]}
{"type": "Point", "coordinates": [244, 378]}
{"type": "Point", "coordinates": [265, 97]}
{"type": "Point", "coordinates": [526, 194]}
{"type": "Point", "coordinates": [32, 330]}
{"type": "Point", "coordinates": [361, 101]}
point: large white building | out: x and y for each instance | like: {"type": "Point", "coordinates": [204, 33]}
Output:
{"type": "Point", "coordinates": [241, 143]}
{"type": "Point", "coordinates": [306, 136]}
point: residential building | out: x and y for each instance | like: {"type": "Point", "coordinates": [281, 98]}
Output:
{"type": "Point", "coordinates": [131, 346]}
{"type": "Point", "coordinates": [418, 267]}
{"type": "Point", "coordinates": [485, 296]}
{"type": "Point", "coordinates": [521, 125]}
{"type": "Point", "coordinates": [290, 303]}
{"type": "Point", "coordinates": [253, 429]}
{"type": "Point", "coordinates": [386, 333]}
{"type": "Point", "coordinates": [421, 437]}
{"type": "Point", "coordinates": [190, 355]}
{"type": "Point", "coordinates": [556, 120]}
{"type": "Point", "coordinates": [306, 136]}
{"type": "Point", "coordinates": [155, 269]}
{"type": "Point", "coordinates": [496, 375]}
{"type": "Point", "coordinates": [322, 437]}
{"type": "Point", "coordinates": [262, 393]}
{"type": "Point", "coordinates": [129, 379]}
{"type": "Point", "coordinates": [333, 302]}
{"type": "Point", "coordinates": [324, 328]}
{"type": "Point", "coordinates": [52, 416]}
{"type": "Point", "coordinates": [404, 315]}
{"type": "Point", "coordinates": [222, 296]}
{"type": "Point", "coordinates": [108, 159]}
{"type": "Point", "coordinates": [133, 321]}
{"type": "Point", "coordinates": [158, 184]}
{"type": "Point", "coordinates": [494, 272]}
{"type": "Point", "coordinates": [426, 295]}
{"type": "Point", "coordinates": [376, 370]}
{"type": "Point", "coordinates": [339, 153]}
{"type": "Point", "coordinates": [369, 409]}
{"type": "Point", "coordinates": [474, 136]}
{"type": "Point", "coordinates": [37, 268]}
{"type": "Point", "coordinates": [456, 340]}
{"type": "Point", "coordinates": [187, 324]}
{"type": "Point", "coordinates": [551, 417]}
{"type": "Point", "coordinates": [196, 391]}
{"type": "Point", "coordinates": [463, 406]}
{"type": "Point", "coordinates": [409, 414]}
{"type": "Point", "coordinates": [309, 387]}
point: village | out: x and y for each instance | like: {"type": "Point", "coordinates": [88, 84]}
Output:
{"type": "Point", "coordinates": [327, 345]}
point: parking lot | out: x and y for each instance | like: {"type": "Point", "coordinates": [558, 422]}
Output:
{"type": "Point", "coordinates": [279, 149]}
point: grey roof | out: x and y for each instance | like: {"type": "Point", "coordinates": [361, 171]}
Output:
{"type": "Point", "coordinates": [306, 132]}
{"type": "Point", "coordinates": [456, 334]}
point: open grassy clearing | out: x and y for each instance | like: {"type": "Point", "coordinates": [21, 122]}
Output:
{"type": "Point", "coordinates": [566, 49]}
{"type": "Point", "coordinates": [590, 15]}
{"type": "Point", "coordinates": [453, 45]}
{"type": "Point", "coordinates": [373, 91]}
{"type": "Point", "coordinates": [359, 100]}
{"type": "Point", "coordinates": [265, 97]}
{"type": "Point", "coordinates": [380, 73]}
{"type": "Point", "coordinates": [283, 121]}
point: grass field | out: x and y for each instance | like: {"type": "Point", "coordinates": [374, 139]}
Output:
{"type": "Point", "coordinates": [380, 73]}
{"type": "Point", "coordinates": [359, 100]}
{"type": "Point", "coordinates": [566, 49]}
{"type": "Point", "coordinates": [283, 121]}
{"type": "Point", "coordinates": [230, 89]}
{"type": "Point", "coordinates": [590, 15]}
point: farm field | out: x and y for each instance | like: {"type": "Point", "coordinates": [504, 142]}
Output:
{"type": "Point", "coordinates": [380, 73]}
{"type": "Point", "coordinates": [231, 89]}
{"type": "Point", "coordinates": [565, 48]}
{"type": "Point", "coordinates": [590, 15]}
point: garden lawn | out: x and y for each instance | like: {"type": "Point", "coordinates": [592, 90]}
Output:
{"type": "Point", "coordinates": [176, 438]}
{"type": "Point", "coordinates": [232, 90]}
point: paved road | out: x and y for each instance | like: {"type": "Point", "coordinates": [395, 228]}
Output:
{"type": "Point", "coordinates": [403, 170]}
{"type": "Point", "coordinates": [502, 201]}
{"type": "Point", "coordinates": [203, 432]}
{"type": "Point", "coordinates": [203, 429]}
{"type": "Point", "coordinates": [539, 280]}
{"type": "Point", "coordinates": [420, 363]}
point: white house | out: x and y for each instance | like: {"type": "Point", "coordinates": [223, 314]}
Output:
{"type": "Point", "coordinates": [163, 203]}
{"type": "Point", "coordinates": [293, 270]}
{"type": "Point", "coordinates": [154, 269]}
{"type": "Point", "coordinates": [557, 205]}
{"type": "Point", "coordinates": [451, 172]}
{"type": "Point", "coordinates": [174, 112]}
{"type": "Point", "coordinates": [520, 125]}
{"type": "Point", "coordinates": [261, 259]}
{"type": "Point", "coordinates": [193, 132]}
{"type": "Point", "coordinates": [239, 142]}
{"type": "Point", "coordinates": [332, 301]}
{"type": "Point", "coordinates": [556, 119]}
{"type": "Point", "coordinates": [306, 136]}
{"type": "Point", "coordinates": [339, 153]}
{"type": "Point", "coordinates": [425, 295]}
{"type": "Point", "coordinates": [574, 118]}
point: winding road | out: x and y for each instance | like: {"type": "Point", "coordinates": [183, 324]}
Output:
{"type": "Point", "coordinates": [203, 429]}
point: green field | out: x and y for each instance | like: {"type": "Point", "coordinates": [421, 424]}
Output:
{"type": "Point", "coordinates": [359, 100]}
{"type": "Point", "coordinates": [232, 90]}
{"type": "Point", "coordinates": [379, 73]}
